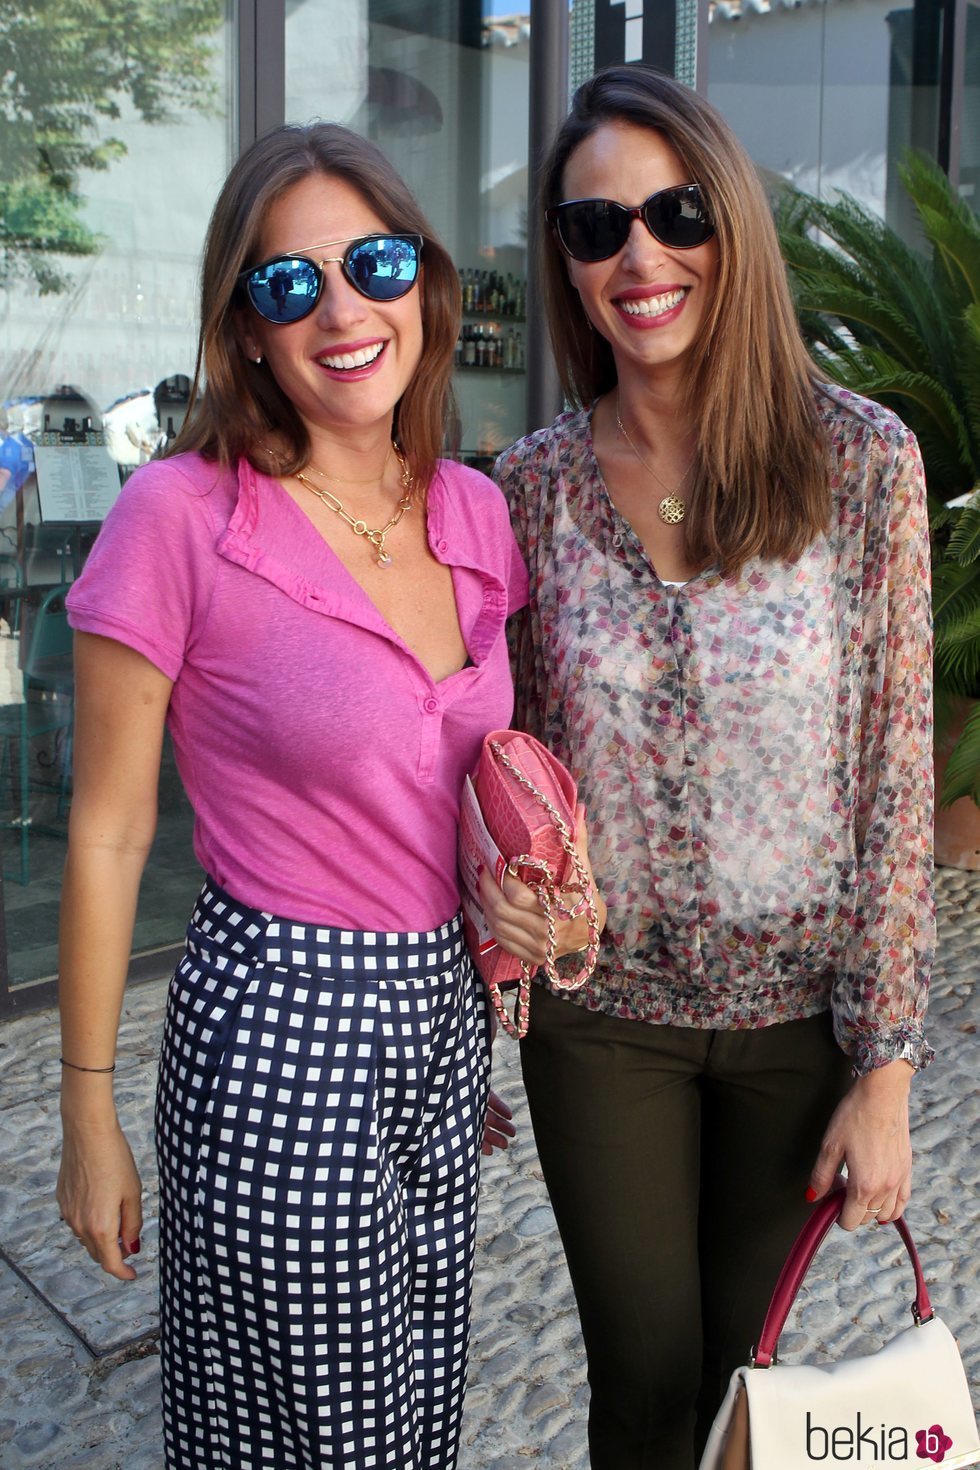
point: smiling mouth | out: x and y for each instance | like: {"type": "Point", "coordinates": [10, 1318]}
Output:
{"type": "Point", "coordinates": [345, 362]}
{"type": "Point", "coordinates": [654, 305]}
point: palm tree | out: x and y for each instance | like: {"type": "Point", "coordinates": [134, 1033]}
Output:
{"type": "Point", "coordinates": [902, 326]}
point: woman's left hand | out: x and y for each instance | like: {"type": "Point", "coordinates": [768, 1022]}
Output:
{"type": "Point", "coordinates": [498, 1129]}
{"type": "Point", "coordinates": [869, 1132]}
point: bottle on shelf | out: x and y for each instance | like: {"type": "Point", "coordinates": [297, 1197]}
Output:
{"type": "Point", "coordinates": [489, 292]}
{"type": "Point", "coordinates": [490, 344]}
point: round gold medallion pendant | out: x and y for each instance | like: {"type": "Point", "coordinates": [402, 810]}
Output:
{"type": "Point", "coordinates": [671, 510]}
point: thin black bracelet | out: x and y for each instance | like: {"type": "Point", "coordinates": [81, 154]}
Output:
{"type": "Point", "coordinates": [76, 1068]}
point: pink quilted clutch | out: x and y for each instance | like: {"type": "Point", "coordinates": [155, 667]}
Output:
{"type": "Point", "coordinates": [528, 799]}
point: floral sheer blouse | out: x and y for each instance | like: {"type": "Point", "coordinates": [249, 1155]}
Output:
{"type": "Point", "coordinates": [754, 752]}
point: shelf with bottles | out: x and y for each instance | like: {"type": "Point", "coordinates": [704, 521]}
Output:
{"type": "Point", "coordinates": [490, 347]}
{"type": "Point", "coordinates": [493, 293]}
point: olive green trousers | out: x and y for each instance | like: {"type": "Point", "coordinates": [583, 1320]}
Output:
{"type": "Point", "coordinates": [677, 1161]}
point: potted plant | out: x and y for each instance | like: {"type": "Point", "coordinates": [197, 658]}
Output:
{"type": "Point", "coordinates": [902, 325]}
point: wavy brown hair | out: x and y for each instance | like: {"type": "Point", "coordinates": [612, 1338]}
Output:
{"type": "Point", "coordinates": [238, 405]}
{"type": "Point", "coordinates": [761, 483]}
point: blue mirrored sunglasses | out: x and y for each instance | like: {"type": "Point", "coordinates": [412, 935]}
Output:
{"type": "Point", "coordinates": [286, 288]}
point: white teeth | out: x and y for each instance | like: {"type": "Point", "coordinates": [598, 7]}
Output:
{"type": "Point", "coordinates": [348, 360]}
{"type": "Point", "coordinates": [653, 305]}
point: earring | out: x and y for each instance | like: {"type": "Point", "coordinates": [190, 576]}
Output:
{"type": "Point", "coordinates": [257, 360]}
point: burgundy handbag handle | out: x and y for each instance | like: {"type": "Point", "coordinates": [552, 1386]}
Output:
{"type": "Point", "coordinates": [825, 1213]}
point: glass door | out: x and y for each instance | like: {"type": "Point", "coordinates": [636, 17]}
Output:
{"type": "Point", "coordinates": [112, 149]}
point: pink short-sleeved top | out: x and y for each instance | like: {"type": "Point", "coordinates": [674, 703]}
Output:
{"type": "Point", "coordinates": [323, 763]}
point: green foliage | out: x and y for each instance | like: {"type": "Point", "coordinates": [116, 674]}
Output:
{"type": "Point", "coordinates": [66, 67]}
{"type": "Point", "coordinates": [903, 327]}
{"type": "Point", "coordinates": [962, 777]}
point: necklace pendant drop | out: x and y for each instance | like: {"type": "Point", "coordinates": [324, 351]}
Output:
{"type": "Point", "coordinates": [358, 526]}
{"type": "Point", "coordinates": [672, 508]}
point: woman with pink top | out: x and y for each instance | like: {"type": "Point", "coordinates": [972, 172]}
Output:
{"type": "Point", "coordinates": [314, 604]}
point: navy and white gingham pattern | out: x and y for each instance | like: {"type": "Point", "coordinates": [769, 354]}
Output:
{"type": "Point", "coordinates": [319, 1116]}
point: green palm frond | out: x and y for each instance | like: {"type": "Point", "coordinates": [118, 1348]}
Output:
{"type": "Point", "coordinates": [863, 309]}
{"type": "Point", "coordinates": [964, 541]}
{"type": "Point", "coordinates": [888, 267]}
{"type": "Point", "coordinates": [970, 376]}
{"type": "Point", "coordinates": [956, 621]}
{"type": "Point", "coordinates": [926, 183]}
{"type": "Point", "coordinates": [959, 246]}
{"type": "Point", "coordinates": [886, 378]}
{"type": "Point", "coordinates": [820, 331]}
{"type": "Point", "coordinates": [962, 776]}
{"type": "Point", "coordinates": [949, 222]}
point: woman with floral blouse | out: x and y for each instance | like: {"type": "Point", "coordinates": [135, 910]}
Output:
{"type": "Point", "coordinates": [728, 642]}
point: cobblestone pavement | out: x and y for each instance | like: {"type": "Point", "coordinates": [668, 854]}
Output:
{"type": "Point", "coordinates": [78, 1368]}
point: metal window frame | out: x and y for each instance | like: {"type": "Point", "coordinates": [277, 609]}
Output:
{"type": "Point", "coordinates": [952, 81]}
{"type": "Point", "coordinates": [261, 68]}
{"type": "Point", "coordinates": [549, 82]}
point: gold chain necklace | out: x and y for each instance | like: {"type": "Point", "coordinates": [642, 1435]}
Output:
{"type": "Point", "coordinates": [360, 527]}
{"type": "Point", "coordinates": [336, 480]}
{"type": "Point", "coordinates": [671, 509]}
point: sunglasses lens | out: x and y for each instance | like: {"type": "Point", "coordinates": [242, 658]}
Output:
{"type": "Point", "coordinates": [593, 229]}
{"type": "Point", "coordinates": [678, 218]}
{"type": "Point", "coordinates": [596, 229]}
{"type": "Point", "coordinates": [383, 269]}
{"type": "Point", "coordinates": [284, 290]}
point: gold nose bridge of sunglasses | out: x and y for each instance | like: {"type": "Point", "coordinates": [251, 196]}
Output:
{"type": "Point", "coordinates": [310, 251]}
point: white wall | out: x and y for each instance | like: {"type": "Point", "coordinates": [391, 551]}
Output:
{"type": "Point", "coordinates": [807, 92]}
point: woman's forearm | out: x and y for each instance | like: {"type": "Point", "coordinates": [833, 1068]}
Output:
{"type": "Point", "coordinates": [98, 913]}
{"type": "Point", "coordinates": [120, 706]}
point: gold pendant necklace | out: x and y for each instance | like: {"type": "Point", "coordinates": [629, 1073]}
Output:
{"type": "Point", "coordinates": [671, 509]}
{"type": "Point", "coordinates": [360, 527]}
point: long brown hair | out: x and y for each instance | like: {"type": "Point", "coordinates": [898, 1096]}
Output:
{"type": "Point", "coordinates": [761, 485]}
{"type": "Point", "coordinates": [238, 405]}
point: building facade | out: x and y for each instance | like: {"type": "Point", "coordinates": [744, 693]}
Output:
{"type": "Point", "coordinates": [112, 149]}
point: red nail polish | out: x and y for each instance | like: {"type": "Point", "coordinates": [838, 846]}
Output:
{"type": "Point", "coordinates": [134, 1249]}
{"type": "Point", "coordinates": [811, 1194]}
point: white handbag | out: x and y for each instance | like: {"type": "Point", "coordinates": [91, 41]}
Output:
{"type": "Point", "coordinates": [907, 1404]}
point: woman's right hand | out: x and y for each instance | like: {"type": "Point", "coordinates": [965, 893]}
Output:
{"type": "Point", "coordinates": [99, 1194]}
{"type": "Point", "coordinates": [517, 921]}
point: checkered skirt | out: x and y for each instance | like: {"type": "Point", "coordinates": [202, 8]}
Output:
{"type": "Point", "coordinates": [319, 1115]}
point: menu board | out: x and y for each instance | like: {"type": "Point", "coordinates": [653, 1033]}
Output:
{"type": "Point", "coordinates": [75, 482]}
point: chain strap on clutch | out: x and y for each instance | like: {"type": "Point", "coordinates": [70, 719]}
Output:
{"type": "Point", "coordinates": [538, 876]}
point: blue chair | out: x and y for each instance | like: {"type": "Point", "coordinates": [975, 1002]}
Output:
{"type": "Point", "coordinates": [47, 709]}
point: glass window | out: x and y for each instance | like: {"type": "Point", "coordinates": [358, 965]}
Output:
{"type": "Point", "coordinates": [830, 96]}
{"type": "Point", "coordinates": [111, 154]}
{"type": "Point", "coordinates": [444, 92]}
